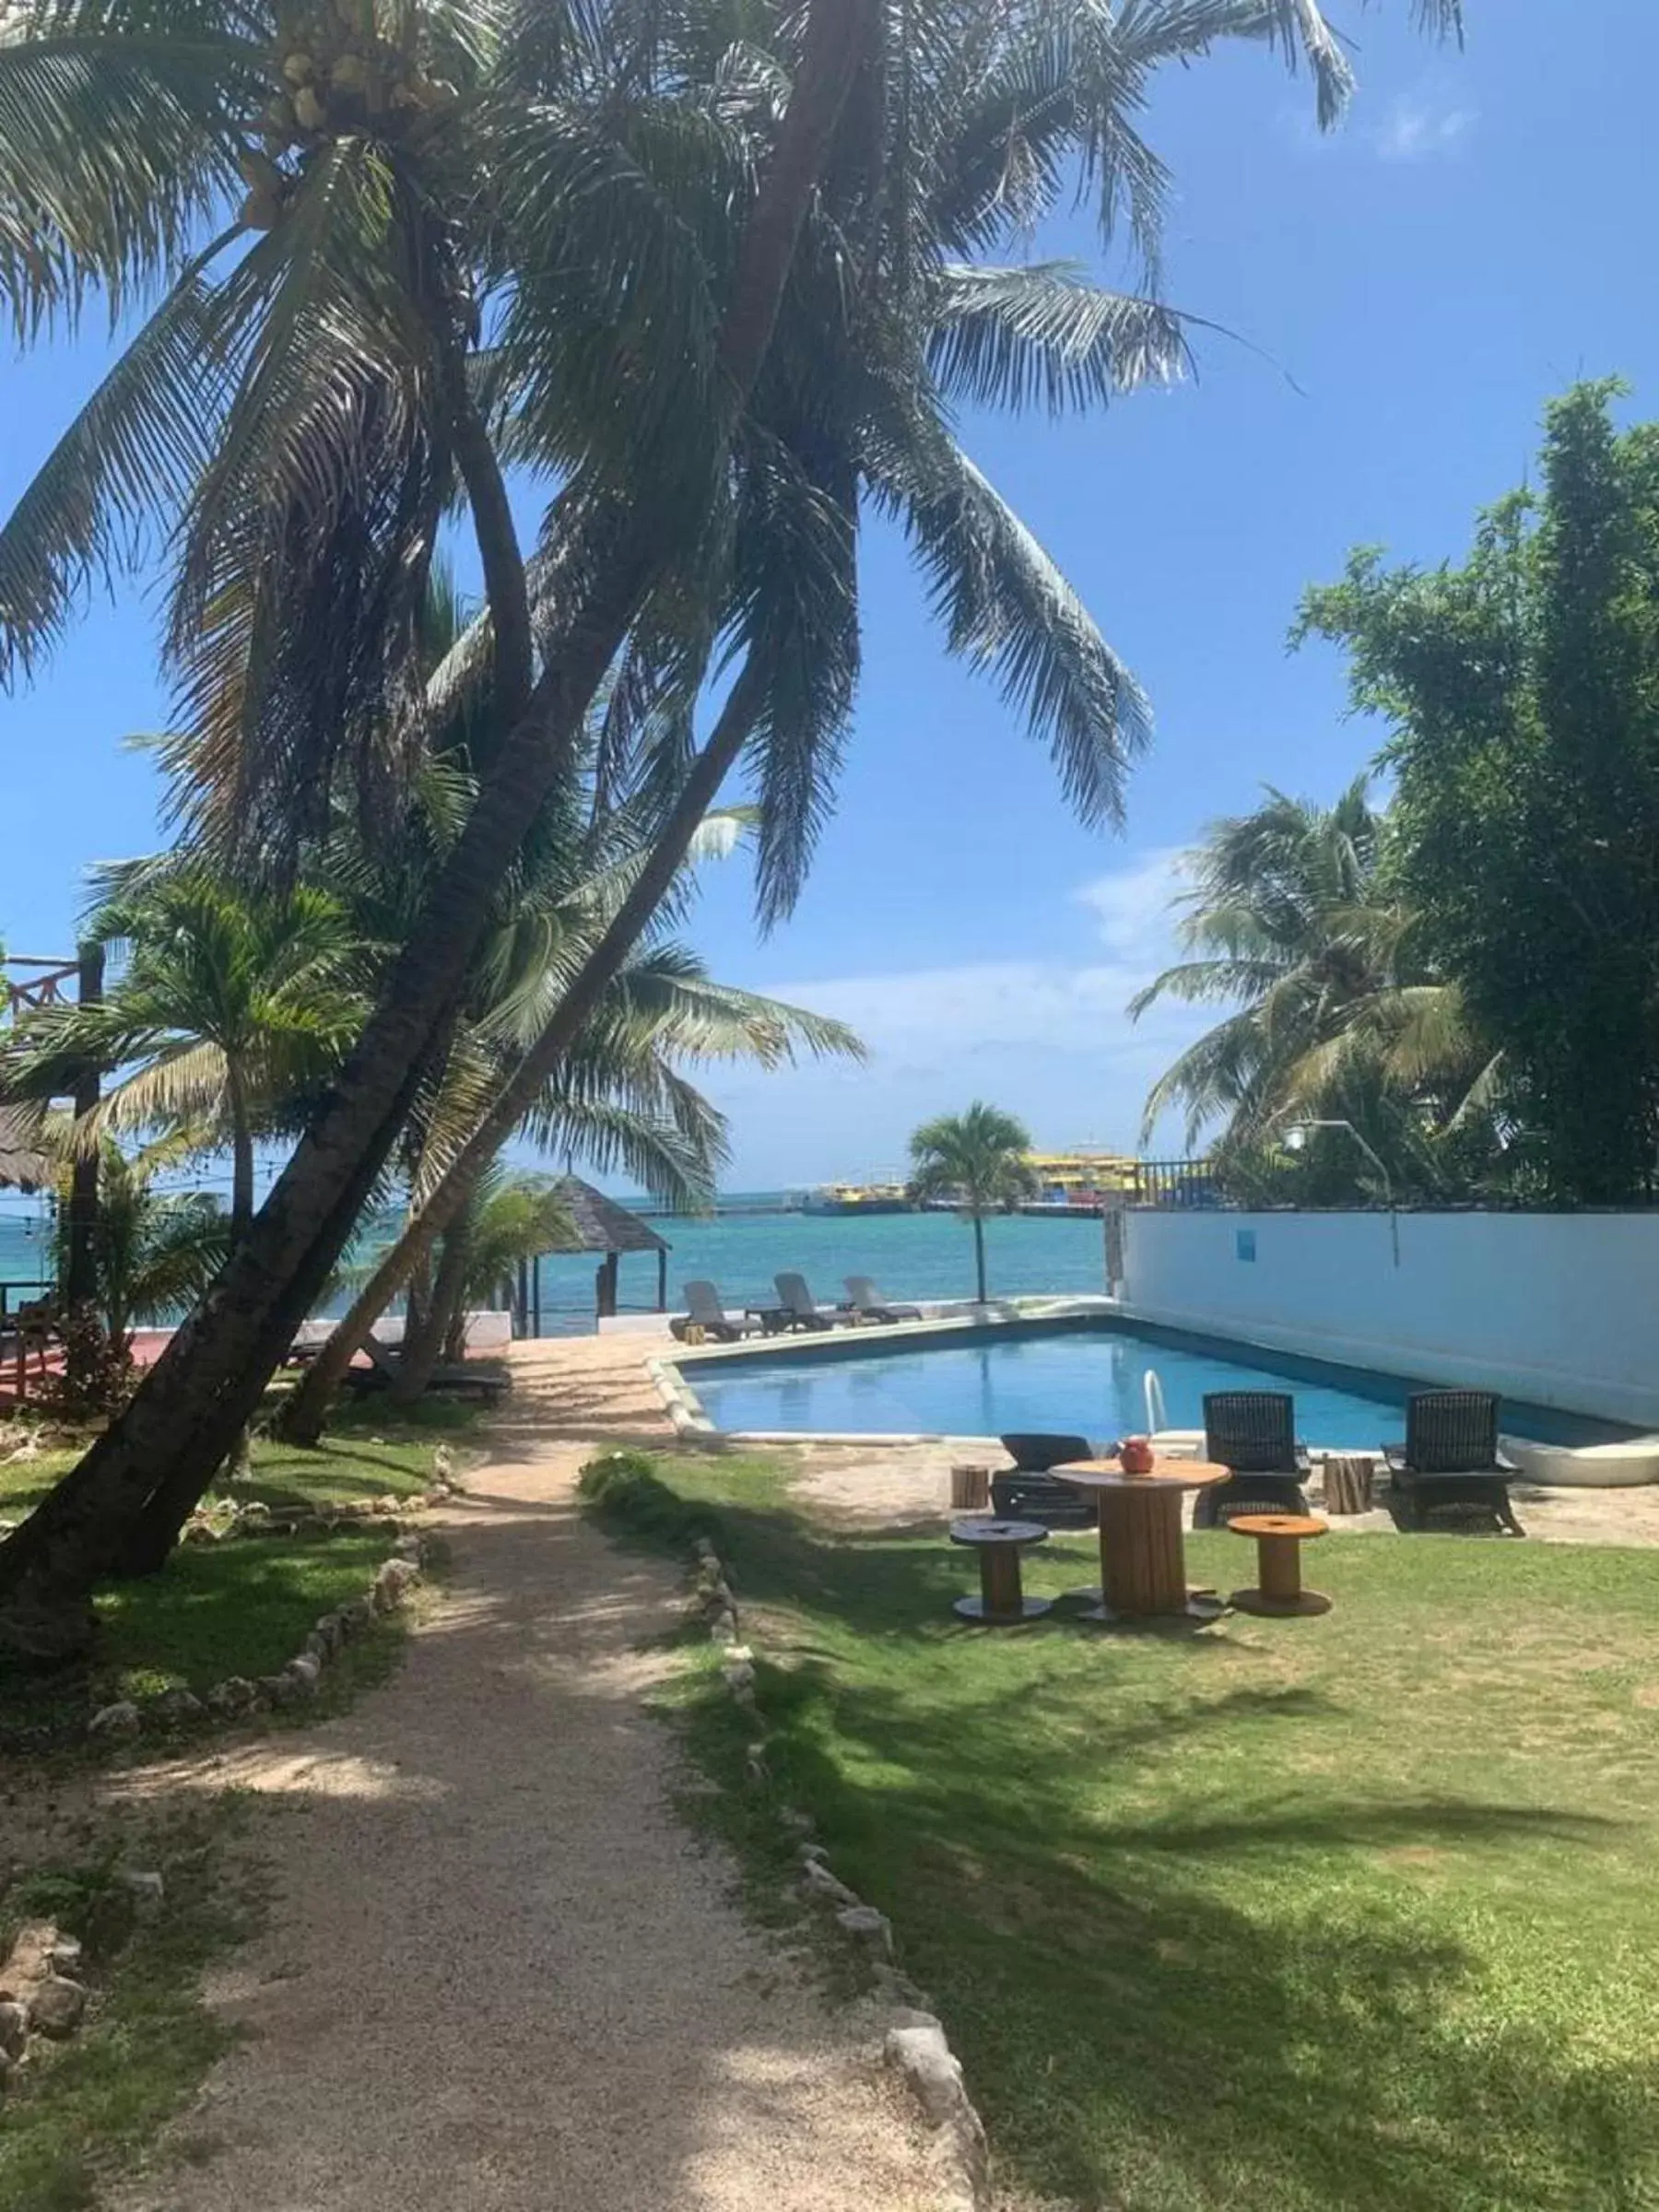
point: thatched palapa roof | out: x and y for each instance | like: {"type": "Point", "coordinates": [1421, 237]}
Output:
{"type": "Point", "coordinates": [23, 1165]}
{"type": "Point", "coordinates": [601, 1224]}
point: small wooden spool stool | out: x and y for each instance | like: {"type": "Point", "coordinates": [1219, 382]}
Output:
{"type": "Point", "coordinates": [1002, 1600]}
{"type": "Point", "coordinates": [970, 1489]}
{"type": "Point", "coordinates": [1280, 1538]}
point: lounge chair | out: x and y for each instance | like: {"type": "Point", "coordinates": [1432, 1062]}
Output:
{"type": "Point", "coordinates": [1027, 1491]}
{"type": "Point", "coordinates": [1451, 1456]}
{"type": "Point", "coordinates": [460, 1381]}
{"type": "Point", "coordinates": [865, 1303]}
{"type": "Point", "coordinates": [800, 1309]}
{"type": "Point", "coordinates": [1253, 1432]}
{"type": "Point", "coordinates": [704, 1311]}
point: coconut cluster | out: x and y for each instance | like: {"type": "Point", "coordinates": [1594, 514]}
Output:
{"type": "Point", "coordinates": [336, 72]}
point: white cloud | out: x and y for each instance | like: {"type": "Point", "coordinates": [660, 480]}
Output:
{"type": "Point", "coordinates": [1050, 1039]}
{"type": "Point", "coordinates": [1132, 905]}
{"type": "Point", "coordinates": [1417, 128]}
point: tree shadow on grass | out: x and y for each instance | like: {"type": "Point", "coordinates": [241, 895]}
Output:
{"type": "Point", "coordinates": [1167, 1998]}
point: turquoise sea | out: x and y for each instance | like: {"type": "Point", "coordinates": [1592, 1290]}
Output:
{"type": "Point", "coordinates": [911, 1255]}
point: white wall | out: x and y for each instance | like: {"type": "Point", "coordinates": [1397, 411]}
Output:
{"type": "Point", "coordinates": [1559, 1308]}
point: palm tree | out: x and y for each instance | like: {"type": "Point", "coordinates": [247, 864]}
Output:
{"type": "Point", "coordinates": [232, 1007]}
{"type": "Point", "coordinates": [978, 1160]}
{"type": "Point", "coordinates": [613, 1101]}
{"type": "Point", "coordinates": [1291, 922]}
{"type": "Point", "coordinates": [154, 1251]}
{"type": "Point", "coordinates": [510, 1218]}
{"type": "Point", "coordinates": [719, 359]}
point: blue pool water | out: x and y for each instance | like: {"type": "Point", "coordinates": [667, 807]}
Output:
{"type": "Point", "coordinates": [1086, 1381]}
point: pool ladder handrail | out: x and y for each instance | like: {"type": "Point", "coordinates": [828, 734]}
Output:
{"type": "Point", "coordinates": [1157, 1418]}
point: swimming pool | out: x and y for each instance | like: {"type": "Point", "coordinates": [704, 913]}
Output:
{"type": "Point", "coordinates": [1087, 1379]}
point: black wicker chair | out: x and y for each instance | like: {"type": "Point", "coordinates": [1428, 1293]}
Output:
{"type": "Point", "coordinates": [1027, 1491]}
{"type": "Point", "coordinates": [1451, 1456]}
{"type": "Point", "coordinates": [1254, 1433]}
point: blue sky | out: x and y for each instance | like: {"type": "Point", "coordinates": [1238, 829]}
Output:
{"type": "Point", "coordinates": [1414, 289]}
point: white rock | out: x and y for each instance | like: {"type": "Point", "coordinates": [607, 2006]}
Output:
{"type": "Point", "coordinates": [178, 1708]}
{"type": "Point", "coordinates": [305, 1672]}
{"type": "Point", "coordinates": [739, 1675]}
{"type": "Point", "coordinates": [921, 2054]}
{"type": "Point", "coordinates": [232, 1696]}
{"type": "Point", "coordinates": [117, 1723]}
{"type": "Point", "coordinates": [869, 1926]}
{"type": "Point", "coordinates": [144, 1883]}
{"type": "Point", "coordinates": [57, 2006]}
{"type": "Point", "coordinates": [392, 1583]}
{"type": "Point", "coordinates": [807, 1853]}
{"type": "Point", "coordinates": [66, 1957]}
{"type": "Point", "coordinates": [817, 1880]}
{"type": "Point", "coordinates": [14, 2027]}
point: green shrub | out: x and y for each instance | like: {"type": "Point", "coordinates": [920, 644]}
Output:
{"type": "Point", "coordinates": [624, 1491]}
{"type": "Point", "coordinates": [599, 1473]}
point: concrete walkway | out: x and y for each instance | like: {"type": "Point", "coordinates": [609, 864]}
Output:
{"type": "Point", "coordinates": [499, 1974]}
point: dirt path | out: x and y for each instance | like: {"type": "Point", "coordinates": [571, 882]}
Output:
{"type": "Point", "coordinates": [499, 1974]}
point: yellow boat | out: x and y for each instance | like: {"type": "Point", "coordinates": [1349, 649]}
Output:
{"type": "Point", "coordinates": [858, 1198]}
{"type": "Point", "coordinates": [1083, 1179]}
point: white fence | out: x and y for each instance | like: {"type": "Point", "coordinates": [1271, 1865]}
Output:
{"type": "Point", "coordinates": [1562, 1308]}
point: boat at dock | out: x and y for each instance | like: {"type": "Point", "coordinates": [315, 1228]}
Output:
{"type": "Point", "coordinates": [1081, 1181]}
{"type": "Point", "coordinates": [885, 1195]}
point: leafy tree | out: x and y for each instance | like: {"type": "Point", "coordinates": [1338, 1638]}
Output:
{"type": "Point", "coordinates": [1521, 692]}
{"type": "Point", "coordinates": [978, 1160]}
{"type": "Point", "coordinates": [1293, 919]}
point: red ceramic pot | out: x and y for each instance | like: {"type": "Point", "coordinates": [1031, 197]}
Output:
{"type": "Point", "coordinates": [1135, 1456]}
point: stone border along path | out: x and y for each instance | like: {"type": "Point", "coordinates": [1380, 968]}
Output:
{"type": "Point", "coordinates": [499, 1973]}
{"type": "Point", "coordinates": [915, 2045]}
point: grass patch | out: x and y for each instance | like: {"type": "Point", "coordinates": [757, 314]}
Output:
{"type": "Point", "coordinates": [240, 1607]}
{"type": "Point", "coordinates": [79, 2114]}
{"type": "Point", "coordinates": [367, 1452]}
{"type": "Point", "coordinates": [1355, 1910]}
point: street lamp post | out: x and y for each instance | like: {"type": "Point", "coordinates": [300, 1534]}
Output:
{"type": "Point", "coordinates": [1297, 1137]}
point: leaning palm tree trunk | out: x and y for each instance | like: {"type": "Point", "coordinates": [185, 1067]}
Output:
{"type": "Point", "coordinates": [184, 1418]}
{"type": "Point", "coordinates": [423, 1346]}
{"type": "Point", "coordinates": [306, 1412]}
{"type": "Point", "coordinates": [302, 1418]}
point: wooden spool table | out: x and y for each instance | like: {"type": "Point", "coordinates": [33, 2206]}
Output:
{"type": "Point", "coordinates": [1278, 1540]}
{"type": "Point", "coordinates": [1143, 1561]}
{"type": "Point", "coordinates": [1002, 1600]}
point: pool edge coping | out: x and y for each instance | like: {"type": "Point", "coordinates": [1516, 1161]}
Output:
{"type": "Point", "coordinates": [1574, 1467]}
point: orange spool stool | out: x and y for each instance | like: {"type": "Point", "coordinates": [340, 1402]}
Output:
{"type": "Point", "coordinates": [1278, 1540]}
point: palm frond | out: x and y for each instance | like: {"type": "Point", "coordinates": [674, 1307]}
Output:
{"type": "Point", "coordinates": [131, 454]}
{"type": "Point", "coordinates": [116, 148]}
{"type": "Point", "coordinates": [1042, 334]}
{"type": "Point", "coordinates": [1005, 604]}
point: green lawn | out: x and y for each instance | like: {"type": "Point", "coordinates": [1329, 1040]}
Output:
{"type": "Point", "coordinates": [79, 2111]}
{"type": "Point", "coordinates": [239, 1607]}
{"type": "Point", "coordinates": [1355, 1912]}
